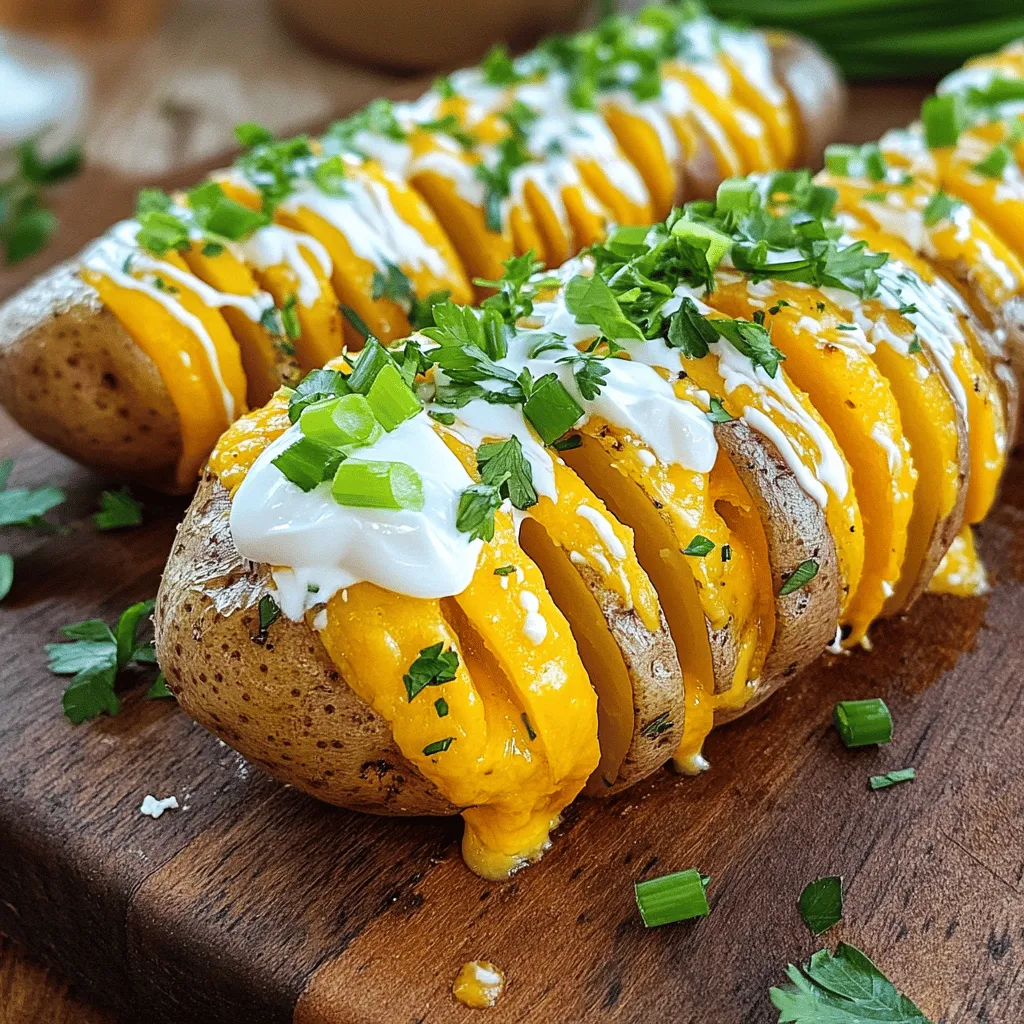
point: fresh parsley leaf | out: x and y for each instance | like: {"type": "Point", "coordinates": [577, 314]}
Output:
{"type": "Point", "coordinates": [591, 301]}
{"type": "Point", "coordinates": [159, 689]}
{"type": "Point", "coordinates": [753, 340]}
{"type": "Point", "coordinates": [589, 372]}
{"type": "Point", "coordinates": [22, 506]}
{"type": "Point", "coordinates": [842, 988]}
{"type": "Point", "coordinates": [799, 577]}
{"type": "Point", "coordinates": [392, 285]}
{"type": "Point", "coordinates": [502, 464]}
{"type": "Point", "coordinates": [497, 177]}
{"type": "Point", "coordinates": [432, 667]}
{"type": "Point", "coordinates": [940, 206]}
{"type": "Point", "coordinates": [893, 778]}
{"type": "Point", "coordinates": [441, 707]}
{"type": "Point", "coordinates": [117, 509]}
{"type": "Point", "coordinates": [6, 574]}
{"type": "Point", "coordinates": [515, 291]}
{"type": "Point", "coordinates": [689, 331]}
{"type": "Point", "coordinates": [314, 387]}
{"type": "Point", "coordinates": [498, 67]}
{"type": "Point", "coordinates": [717, 412]}
{"type": "Point", "coordinates": [421, 313]}
{"type": "Point", "coordinates": [94, 656]}
{"type": "Point", "coordinates": [915, 345]}
{"type": "Point", "coordinates": [447, 418]}
{"type": "Point", "coordinates": [699, 547]}
{"type": "Point", "coordinates": [821, 903]}
{"type": "Point", "coordinates": [475, 515]}
{"type": "Point", "coordinates": [269, 612]}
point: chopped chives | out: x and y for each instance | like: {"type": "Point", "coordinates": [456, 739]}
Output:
{"type": "Point", "coordinates": [993, 166]}
{"type": "Point", "coordinates": [675, 897]}
{"type": "Point", "coordinates": [892, 778]}
{"type": "Point", "coordinates": [943, 119]}
{"type": "Point", "coordinates": [307, 463]}
{"type": "Point", "coordinates": [438, 746]}
{"type": "Point", "coordinates": [391, 400]}
{"type": "Point", "coordinates": [348, 421]}
{"type": "Point", "coordinates": [371, 361]}
{"type": "Point", "coordinates": [861, 723]}
{"type": "Point", "coordinates": [840, 157]}
{"type": "Point", "coordinates": [736, 194]}
{"type": "Point", "coordinates": [391, 485]}
{"type": "Point", "coordinates": [551, 409]}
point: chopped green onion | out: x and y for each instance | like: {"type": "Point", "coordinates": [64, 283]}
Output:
{"type": "Point", "coordinates": [873, 161]}
{"type": "Point", "coordinates": [373, 358]}
{"type": "Point", "coordinates": [308, 463]}
{"type": "Point", "coordinates": [341, 422]}
{"type": "Point", "coordinates": [862, 723]}
{"type": "Point", "coordinates": [840, 157]}
{"type": "Point", "coordinates": [355, 320]}
{"type": "Point", "coordinates": [699, 546]}
{"type": "Point", "coordinates": [567, 444]}
{"type": "Point", "coordinates": [736, 195]}
{"type": "Point", "coordinates": [944, 119]}
{"type": "Point", "coordinates": [821, 903]}
{"type": "Point", "coordinates": [391, 399]}
{"type": "Point", "coordinates": [714, 243]}
{"type": "Point", "coordinates": [529, 728]}
{"type": "Point", "coordinates": [671, 898]}
{"type": "Point", "coordinates": [441, 707]}
{"type": "Point", "coordinates": [391, 485]}
{"type": "Point", "coordinates": [314, 387]}
{"type": "Point", "coordinates": [504, 570]}
{"type": "Point", "coordinates": [892, 778]}
{"type": "Point", "coordinates": [438, 746]}
{"type": "Point", "coordinates": [290, 318]}
{"type": "Point", "coordinates": [447, 418]}
{"type": "Point", "coordinates": [799, 577]}
{"type": "Point", "coordinates": [726, 553]}
{"type": "Point", "coordinates": [551, 409]}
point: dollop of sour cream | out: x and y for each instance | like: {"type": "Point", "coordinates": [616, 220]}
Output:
{"type": "Point", "coordinates": [317, 547]}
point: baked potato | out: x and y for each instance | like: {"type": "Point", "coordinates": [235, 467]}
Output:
{"type": "Point", "coordinates": [686, 464]}
{"type": "Point", "coordinates": [308, 244]}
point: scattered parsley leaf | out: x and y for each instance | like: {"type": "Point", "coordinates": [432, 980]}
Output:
{"type": "Point", "coordinates": [433, 666]}
{"type": "Point", "coordinates": [699, 547]}
{"type": "Point", "coordinates": [22, 506]}
{"type": "Point", "coordinates": [6, 574]}
{"type": "Point", "coordinates": [656, 726]}
{"type": "Point", "coordinates": [799, 577]}
{"type": "Point", "coordinates": [591, 301]}
{"type": "Point", "coordinates": [159, 689]}
{"type": "Point", "coordinates": [940, 206]}
{"type": "Point", "coordinates": [118, 509]}
{"type": "Point", "coordinates": [441, 707]}
{"type": "Point", "coordinates": [717, 413]}
{"type": "Point", "coordinates": [821, 903]}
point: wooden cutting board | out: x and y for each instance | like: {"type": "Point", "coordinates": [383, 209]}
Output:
{"type": "Point", "coordinates": [255, 904]}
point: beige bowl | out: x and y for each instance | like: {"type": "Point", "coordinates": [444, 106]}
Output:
{"type": "Point", "coordinates": [426, 35]}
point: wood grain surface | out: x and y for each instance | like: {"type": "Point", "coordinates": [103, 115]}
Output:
{"type": "Point", "coordinates": [253, 903]}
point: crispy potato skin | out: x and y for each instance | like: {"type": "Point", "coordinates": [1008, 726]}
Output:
{"type": "Point", "coordinates": [72, 376]}
{"type": "Point", "coordinates": [277, 698]}
{"type": "Point", "coordinates": [796, 530]}
{"type": "Point", "coordinates": [816, 88]}
{"type": "Point", "coordinates": [659, 695]}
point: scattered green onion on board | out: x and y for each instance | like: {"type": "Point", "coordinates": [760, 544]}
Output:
{"type": "Point", "coordinates": [671, 898]}
{"type": "Point", "coordinates": [889, 38]}
{"type": "Point", "coordinates": [892, 778]}
{"type": "Point", "coordinates": [862, 723]}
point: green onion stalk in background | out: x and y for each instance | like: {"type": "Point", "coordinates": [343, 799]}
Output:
{"type": "Point", "coordinates": [889, 38]}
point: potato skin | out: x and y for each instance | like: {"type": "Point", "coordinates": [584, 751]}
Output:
{"type": "Point", "coordinates": [71, 375]}
{"type": "Point", "coordinates": [815, 86]}
{"type": "Point", "coordinates": [796, 530]}
{"type": "Point", "coordinates": [277, 698]}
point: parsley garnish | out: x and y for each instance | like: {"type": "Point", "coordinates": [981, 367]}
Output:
{"type": "Point", "coordinates": [842, 988]}
{"type": "Point", "coordinates": [432, 667]}
{"type": "Point", "coordinates": [717, 413]}
{"type": "Point", "coordinates": [441, 707]}
{"type": "Point", "coordinates": [269, 612]}
{"type": "Point", "coordinates": [290, 317]}
{"type": "Point", "coordinates": [392, 285]}
{"type": "Point", "coordinates": [821, 903]}
{"type": "Point", "coordinates": [22, 506]}
{"type": "Point", "coordinates": [438, 746]}
{"type": "Point", "coordinates": [656, 726]}
{"type": "Point", "coordinates": [515, 291]}
{"type": "Point", "coordinates": [591, 301]}
{"type": "Point", "coordinates": [504, 570]}
{"type": "Point", "coordinates": [355, 320]}
{"type": "Point", "coordinates": [504, 474]}
{"type": "Point", "coordinates": [940, 206]}
{"type": "Point", "coordinates": [118, 509]}
{"type": "Point", "coordinates": [699, 547]}
{"type": "Point", "coordinates": [26, 225]}
{"type": "Point", "coordinates": [497, 177]}
{"type": "Point", "coordinates": [95, 655]}
{"type": "Point", "coordinates": [799, 577]}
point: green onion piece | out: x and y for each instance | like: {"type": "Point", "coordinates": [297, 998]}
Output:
{"type": "Point", "coordinates": [714, 243]}
{"type": "Point", "coordinates": [939, 207]}
{"type": "Point", "coordinates": [441, 707]}
{"type": "Point", "coordinates": [551, 409]}
{"type": "Point", "coordinates": [357, 322]}
{"type": "Point", "coordinates": [438, 746]}
{"type": "Point", "coordinates": [862, 723]}
{"type": "Point", "coordinates": [670, 898]}
{"type": "Point", "coordinates": [840, 157]}
{"type": "Point", "coordinates": [347, 421]}
{"type": "Point", "coordinates": [892, 778]}
{"type": "Point", "coordinates": [873, 161]}
{"type": "Point", "coordinates": [391, 399]}
{"type": "Point", "coordinates": [392, 485]}
{"type": "Point", "coordinates": [6, 574]}
{"type": "Point", "coordinates": [307, 463]}
{"type": "Point", "coordinates": [371, 361]}
{"type": "Point", "coordinates": [943, 118]}
{"type": "Point", "coordinates": [736, 195]}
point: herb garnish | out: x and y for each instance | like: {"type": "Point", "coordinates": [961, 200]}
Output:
{"type": "Point", "coordinates": [94, 656]}
{"type": "Point", "coordinates": [23, 506]}
{"type": "Point", "coordinates": [118, 509]}
{"type": "Point", "coordinates": [821, 903]}
{"type": "Point", "coordinates": [432, 667]}
{"type": "Point", "coordinates": [504, 474]}
{"type": "Point", "coordinates": [892, 778]}
{"type": "Point", "coordinates": [799, 577]}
